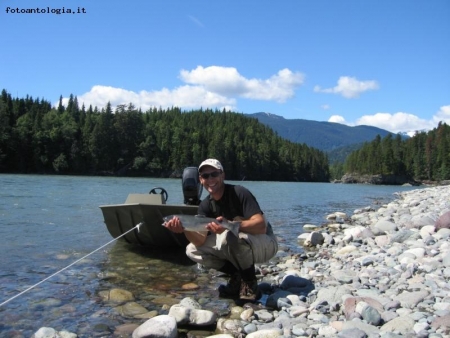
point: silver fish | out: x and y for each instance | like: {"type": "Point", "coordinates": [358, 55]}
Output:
{"type": "Point", "coordinates": [199, 222]}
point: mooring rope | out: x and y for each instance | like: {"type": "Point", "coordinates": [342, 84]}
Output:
{"type": "Point", "coordinates": [68, 266]}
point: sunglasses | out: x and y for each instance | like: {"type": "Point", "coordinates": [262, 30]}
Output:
{"type": "Point", "coordinates": [214, 174]}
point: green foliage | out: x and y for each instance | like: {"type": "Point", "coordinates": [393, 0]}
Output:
{"type": "Point", "coordinates": [339, 155]}
{"type": "Point", "coordinates": [38, 139]}
{"type": "Point", "coordinates": [425, 156]}
{"type": "Point", "coordinates": [337, 171]}
{"type": "Point", "coordinates": [60, 164]}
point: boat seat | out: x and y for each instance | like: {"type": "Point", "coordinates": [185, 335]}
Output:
{"type": "Point", "coordinates": [145, 199]}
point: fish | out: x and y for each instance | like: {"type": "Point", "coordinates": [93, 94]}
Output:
{"type": "Point", "coordinates": [199, 223]}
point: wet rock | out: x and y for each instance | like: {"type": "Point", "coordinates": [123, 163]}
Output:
{"type": "Point", "coordinates": [234, 327]}
{"type": "Point", "coordinates": [192, 316]}
{"type": "Point", "coordinates": [120, 295]}
{"type": "Point", "coordinates": [48, 332]}
{"type": "Point", "coordinates": [131, 310]}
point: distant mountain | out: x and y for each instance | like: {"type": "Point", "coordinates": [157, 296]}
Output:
{"type": "Point", "coordinates": [326, 136]}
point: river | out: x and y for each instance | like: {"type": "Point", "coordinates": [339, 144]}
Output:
{"type": "Point", "coordinates": [49, 222]}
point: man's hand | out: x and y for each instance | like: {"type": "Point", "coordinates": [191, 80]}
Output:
{"type": "Point", "coordinates": [174, 225]}
{"type": "Point", "coordinates": [216, 228]}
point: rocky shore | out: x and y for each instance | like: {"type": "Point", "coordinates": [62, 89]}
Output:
{"type": "Point", "coordinates": [376, 273]}
{"type": "Point", "coordinates": [377, 179]}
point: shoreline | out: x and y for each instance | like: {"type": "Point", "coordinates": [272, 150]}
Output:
{"type": "Point", "coordinates": [378, 273]}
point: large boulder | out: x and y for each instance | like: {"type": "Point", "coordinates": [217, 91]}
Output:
{"type": "Point", "coordinates": [443, 222]}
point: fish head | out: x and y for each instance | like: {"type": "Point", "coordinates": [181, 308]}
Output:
{"type": "Point", "coordinates": [167, 218]}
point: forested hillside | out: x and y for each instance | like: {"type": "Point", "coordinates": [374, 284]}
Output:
{"type": "Point", "coordinates": [425, 156]}
{"type": "Point", "coordinates": [36, 138]}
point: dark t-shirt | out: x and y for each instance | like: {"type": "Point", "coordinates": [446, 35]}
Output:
{"type": "Point", "coordinates": [236, 201]}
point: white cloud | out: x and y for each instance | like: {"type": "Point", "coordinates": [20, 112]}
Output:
{"type": "Point", "coordinates": [224, 80]}
{"type": "Point", "coordinates": [399, 122]}
{"type": "Point", "coordinates": [186, 97]}
{"type": "Point", "coordinates": [337, 119]}
{"type": "Point", "coordinates": [227, 81]}
{"type": "Point", "coordinates": [210, 87]}
{"type": "Point", "coordinates": [325, 106]}
{"type": "Point", "coordinates": [442, 115]}
{"type": "Point", "coordinates": [349, 87]}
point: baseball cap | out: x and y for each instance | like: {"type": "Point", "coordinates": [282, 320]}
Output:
{"type": "Point", "coordinates": [212, 162]}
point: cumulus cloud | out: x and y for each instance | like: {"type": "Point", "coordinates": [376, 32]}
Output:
{"type": "Point", "coordinates": [211, 87]}
{"type": "Point", "coordinates": [227, 81]}
{"type": "Point", "coordinates": [185, 96]}
{"type": "Point", "coordinates": [399, 122]}
{"type": "Point", "coordinates": [443, 115]}
{"type": "Point", "coordinates": [337, 119]}
{"type": "Point", "coordinates": [349, 87]}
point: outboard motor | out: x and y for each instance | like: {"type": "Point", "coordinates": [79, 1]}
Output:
{"type": "Point", "coordinates": [192, 188]}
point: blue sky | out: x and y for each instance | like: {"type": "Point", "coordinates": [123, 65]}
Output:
{"type": "Point", "coordinates": [384, 63]}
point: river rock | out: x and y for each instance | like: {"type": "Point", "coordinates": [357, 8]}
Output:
{"type": "Point", "coordinates": [234, 327]}
{"type": "Point", "coordinates": [120, 295]}
{"type": "Point", "coordinates": [49, 332]}
{"type": "Point", "coordinates": [185, 315]}
{"type": "Point", "coordinates": [131, 309]}
{"type": "Point", "coordinates": [315, 238]}
{"type": "Point", "coordinates": [411, 299]}
{"type": "Point", "coordinates": [443, 221]}
{"type": "Point", "coordinates": [162, 326]}
{"type": "Point", "coordinates": [403, 324]}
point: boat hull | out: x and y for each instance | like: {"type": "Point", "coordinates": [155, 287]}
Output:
{"type": "Point", "coordinates": [120, 218]}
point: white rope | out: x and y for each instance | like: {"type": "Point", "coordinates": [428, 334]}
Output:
{"type": "Point", "coordinates": [68, 266]}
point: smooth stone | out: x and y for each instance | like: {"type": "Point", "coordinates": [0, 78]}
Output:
{"type": "Point", "coordinates": [184, 315]}
{"type": "Point", "coordinates": [385, 226]}
{"type": "Point", "coordinates": [131, 309]}
{"type": "Point", "coordinates": [443, 221]}
{"type": "Point", "coordinates": [49, 332]}
{"type": "Point", "coordinates": [120, 295]}
{"type": "Point", "coordinates": [268, 333]}
{"type": "Point", "coordinates": [358, 324]}
{"type": "Point", "coordinates": [352, 333]}
{"type": "Point", "coordinates": [411, 299]}
{"type": "Point", "coordinates": [402, 324]}
{"type": "Point", "coordinates": [162, 326]}
{"type": "Point", "coordinates": [346, 250]}
{"type": "Point", "coordinates": [371, 315]}
{"type": "Point", "coordinates": [310, 227]}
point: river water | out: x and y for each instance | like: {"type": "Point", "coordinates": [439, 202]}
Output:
{"type": "Point", "coordinates": [49, 222]}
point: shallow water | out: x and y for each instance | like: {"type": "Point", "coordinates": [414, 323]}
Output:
{"type": "Point", "coordinates": [49, 222]}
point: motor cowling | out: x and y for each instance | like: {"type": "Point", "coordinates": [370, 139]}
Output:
{"type": "Point", "coordinates": [192, 188]}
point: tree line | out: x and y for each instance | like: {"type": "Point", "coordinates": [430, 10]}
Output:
{"type": "Point", "coordinates": [37, 138]}
{"type": "Point", "coordinates": [425, 156]}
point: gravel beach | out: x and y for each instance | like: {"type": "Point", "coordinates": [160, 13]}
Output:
{"type": "Point", "coordinates": [377, 273]}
